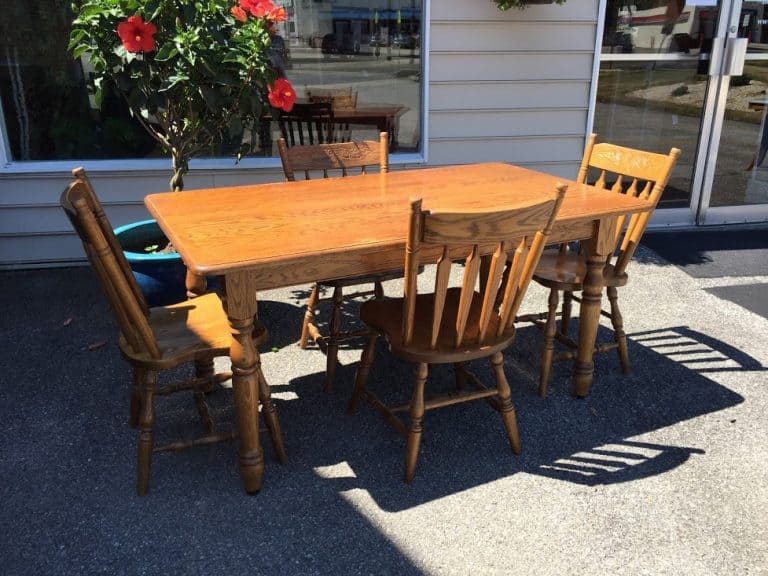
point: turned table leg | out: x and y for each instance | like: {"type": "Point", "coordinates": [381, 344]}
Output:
{"type": "Point", "coordinates": [240, 302]}
{"type": "Point", "coordinates": [598, 249]}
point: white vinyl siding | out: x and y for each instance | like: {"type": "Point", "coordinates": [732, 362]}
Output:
{"type": "Point", "coordinates": [510, 86]}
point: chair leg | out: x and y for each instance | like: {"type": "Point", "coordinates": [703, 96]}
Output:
{"type": "Point", "coordinates": [618, 329]}
{"type": "Point", "coordinates": [413, 440]}
{"type": "Point", "coordinates": [332, 348]}
{"type": "Point", "coordinates": [309, 315]}
{"type": "Point", "coordinates": [507, 409]}
{"type": "Point", "coordinates": [146, 422]}
{"type": "Point", "coordinates": [362, 373]}
{"type": "Point", "coordinates": [565, 318]}
{"type": "Point", "coordinates": [378, 290]}
{"type": "Point", "coordinates": [270, 416]}
{"type": "Point", "coordinates": [204, 369]}
{"type": "Point", "coordinates": [135, 409]}
{"type": "Point", "coordinates": [548, 349]}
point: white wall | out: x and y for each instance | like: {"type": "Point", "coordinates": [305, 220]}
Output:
{"type": "Point", "coordinates": [510, 86]}
{"type": "Point", "coordinates": [503, 86]}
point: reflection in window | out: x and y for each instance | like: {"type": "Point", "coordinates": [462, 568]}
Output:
{"type": "Point", "coordinates": [362, 56]}
{"type": "Point", "coordinates": [658, 26]}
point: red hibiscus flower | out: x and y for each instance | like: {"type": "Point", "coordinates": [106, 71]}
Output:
{"type": "Point", "coordinates": [258, 8]}
{"type": "Point", "coordinates": [239, 13]}
{"type": "Point", "coordinates": [277, 14]}
{"type": "Point", "coordinates": [282, 95]}
{"type": "Point", "coordinates": [137, 35]}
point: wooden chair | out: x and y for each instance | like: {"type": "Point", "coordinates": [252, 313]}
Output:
{"type": "Point", "coordinates": [159, 338]}
{"type": "Point", "coordinates": [307, 124]}
{"type": "Point", "coordinates": [620, 171]}
{"type": "Point", "coordinates": [328, 159]}
{"type": "Point", "coordinates": [340, 99]}
{"type": "Point", "coordinates": [456, 325]}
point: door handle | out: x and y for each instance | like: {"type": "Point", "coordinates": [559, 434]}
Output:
{"type": "Point", "coordinates": [735, 55]}
{"type": "Point", "coordinates": [715, 56]}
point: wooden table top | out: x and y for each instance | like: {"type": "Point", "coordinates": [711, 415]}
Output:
{"type": "Point", "coordinates": [304, 223]}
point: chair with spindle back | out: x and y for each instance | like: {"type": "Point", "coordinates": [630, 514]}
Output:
{"type": "Point", "coordinates": [619, 170]}
{"type": "Point", "coordinates": [159, 338]}
{"type": "Point", "coordinates": [457, 325]}
{"type": "Point", "coordinates": [340, 99]}
{"type": "Point", "coordinates": [307, 124]}
{"type": "Point", "coordinates": [326, 160]}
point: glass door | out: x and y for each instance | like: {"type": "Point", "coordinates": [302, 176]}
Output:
{"type": "Point", "coordinates": [673, 73]}
{"type": "Point", "coordinates": [735, 181]}
{"type": "Point", "coordinates": [655, 89]}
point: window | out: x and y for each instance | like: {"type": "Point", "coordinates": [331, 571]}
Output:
{"type": "Point", "coordinates": [362, 55]}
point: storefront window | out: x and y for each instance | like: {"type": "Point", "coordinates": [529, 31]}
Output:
{"type": "Point", "coordinates": [364, 56]}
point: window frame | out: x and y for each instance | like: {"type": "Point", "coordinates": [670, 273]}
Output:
{"type": "Point", "coordinates": [9, 166]}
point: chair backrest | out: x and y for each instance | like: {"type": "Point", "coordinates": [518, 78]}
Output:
{"type": "Point", "coordinates": [340, 157]}
{"type": "Point", "coordinates": [106, 227]}
{"type": "Point", "coordinates": [80, 204]}
{"type": "Point", "coordinates": [306, 124]}
{"type": "Point", "coordinates": [440, 238]}
{"type": "Point", "coordinates": [340, 98]}
{"type": "Point", "coordinates": [633, 172]}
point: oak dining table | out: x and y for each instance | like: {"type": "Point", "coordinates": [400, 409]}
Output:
{"type": "Point", "coordinates": [290, 233]}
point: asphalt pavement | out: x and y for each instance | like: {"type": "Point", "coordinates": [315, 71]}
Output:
{"type": "Point", "coordinates": [659, 472]}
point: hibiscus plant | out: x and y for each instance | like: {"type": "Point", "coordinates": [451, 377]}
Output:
{"type": "Point", "coordinates": [194, 73]}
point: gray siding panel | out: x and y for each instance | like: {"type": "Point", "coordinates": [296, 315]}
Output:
{"type": "Point", "coordinates": [510, 86]}
{"type": "Point", "coordinates": [486, 10]}
{"type": "Point", "coordinates": [451, 96]}
{"type": "Point", "coordinates": [496, 37]}
{"type": "Point", "coordinates": [35, 231]}
{"type": "Point", "coordinates": [502, 123]}
{"type": "Point", "coordinates": [541, 150]}
{"type": "Point", "coordinates": [548, 66]}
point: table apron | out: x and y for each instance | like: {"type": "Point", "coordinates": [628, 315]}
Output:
{"type": "Point", "coordinates": [373, 260]}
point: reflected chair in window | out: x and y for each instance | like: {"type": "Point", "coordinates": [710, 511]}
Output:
{"type": "Point", "coordinates": [341, 99]}
{"type": "Point", "coordinates": [326, 160]}
{"type": "Point", "coordinates": [156, 339]}
{"type": "Point", "coordinates": [459, 324]}
{"type": "Point", "coordinates": [619, 170]}
{"type": "Point", "coordinates": [307, 124]}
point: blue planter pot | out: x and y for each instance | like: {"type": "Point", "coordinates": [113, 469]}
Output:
{"type": "Point", "coordinates": [161, 277]}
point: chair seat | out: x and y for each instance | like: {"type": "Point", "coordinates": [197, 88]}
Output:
{"type": "Point", "coordinates": [386, 316]}
{"type": "Point", "coordinates": [184, 329]}
{"type": "Point", "coordinates": [566, 271]}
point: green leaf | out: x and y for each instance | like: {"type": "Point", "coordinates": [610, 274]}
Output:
{"type": "Point", "coordinates": [166, 52]}
{"type": "Point", "coordinates": [80, 50]}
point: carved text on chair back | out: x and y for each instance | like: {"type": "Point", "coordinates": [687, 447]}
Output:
{"type": "Point", "coordinates": [636, 173]}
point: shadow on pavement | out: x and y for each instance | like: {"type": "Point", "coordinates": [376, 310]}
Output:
{"type": "Point", "coordinates": [67, 461]}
